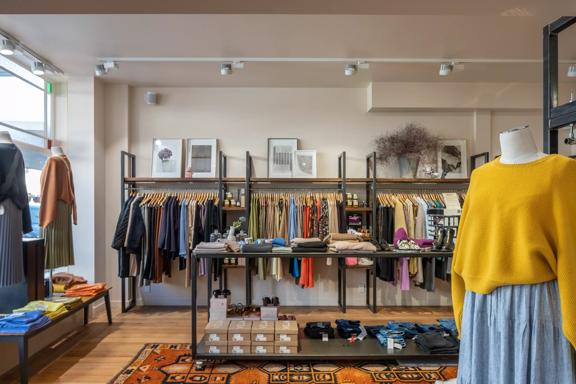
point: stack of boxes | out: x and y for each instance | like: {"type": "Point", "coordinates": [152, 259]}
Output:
{"type": "Point", "coordinates": [251, 337]}
{"type": "Point", "coordinates": [219, 308]}
{"type": "Point", "coordinates": [240, 337]}
{"type": "Point", "coordinates": [263, 337]}
{"type": "Point", "coordinates": [286, 337]}
{"type": "Point", "coordinates": [216, 336]}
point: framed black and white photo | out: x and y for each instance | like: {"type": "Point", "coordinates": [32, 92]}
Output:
{"type": "Point", "coordinates": [280, 157]}
{"type": "Point", "coordinates": [201, 158]}
{"type": "Point", "coordinates": [452, 159]}
{"type": "Point", "coordinates": [304, 163]}
{"type": "Point", "coordinates": [167, 158]}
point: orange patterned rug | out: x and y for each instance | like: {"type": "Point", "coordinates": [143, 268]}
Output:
{"type": "Point", "coordinates": [173, 364]}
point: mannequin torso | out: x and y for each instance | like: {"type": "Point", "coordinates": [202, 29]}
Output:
{"type": "Point", "coordinates": [5, 138]}
{"type": "Point", "coordinates": [518, 146]}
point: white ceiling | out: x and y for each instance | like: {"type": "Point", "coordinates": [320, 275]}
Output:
{"type": "Point", "coordinates": [75, 42]}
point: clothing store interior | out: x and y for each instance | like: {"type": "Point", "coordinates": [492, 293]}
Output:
{"type": "Point", "coordinates": [323, 192]}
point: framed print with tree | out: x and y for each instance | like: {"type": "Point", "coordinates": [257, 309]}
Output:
{"type": "Point", "coordinates": [304, 163]}
{"type": "Point", "coordinates": [167, 158]}
{"type": "Point", "coordinates": [281, 157]}
{"type": "Point", "coordinates": [452, 159]}
{"type": "Point", "coordinates": [201, 158]}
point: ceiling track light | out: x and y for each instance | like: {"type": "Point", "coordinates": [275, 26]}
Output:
{"type": "Point", "coordinates": [38, 68]}
{"type": "Point", "coordinates": [100, 70]}
{"type": "Point", "coordinates": [446, 69]}
{"type": "Point", "coordinates": [225, 69]}
{"type": "Point", "coordinates": [571, 70]}
{"type": "Point", "coordinates": [350, 69]}
{"type": "Point", "coordinates": [7, 47]}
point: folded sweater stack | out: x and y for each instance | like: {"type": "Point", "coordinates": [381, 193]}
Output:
{"type": "Point", "coordinates": [23, 322]}
{"type": "Point", "coordinates": [50, 309]}
{"type": "Point", "coordinates": [62, 281]}
{"type": "Point", "coordinates": [218, 247]}
{"type": "Point", "coordinates": [311, 245]}
{"type": "Point", "coordinates": [83, 290]}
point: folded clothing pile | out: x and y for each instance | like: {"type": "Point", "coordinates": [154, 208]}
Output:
{"type": "Point", "coordinates": [69, 302]}
{"type": "Point", "coordinates": [61, 281]}
{"type": "Point", "coordinates": [279, 246]}
{"type": "Point", "coordinates": [83, 290]}
{"type": "Point", "coordinates": [257, 248]}
{"type": "Point", "coordinates": [23, 322]}
{"type": "Point", "coordinates": [356, 246]}
{"type": "Point", "coordinates": [449, 326]}
{"type": "Point", "coordinates": [315, 330]}
{"type": "Point", "coordinates": [437, 343]}
{"type": "Point", "coordinates": [332, 237]}
{"type": "Point", "coordinates": [50, 309]}
{"type": "Point", "coordinates": [310, 245]}
{"type": "Point", "coordinates": [348, 328]}
{"type": "Point", "coordinates": [224, 246]}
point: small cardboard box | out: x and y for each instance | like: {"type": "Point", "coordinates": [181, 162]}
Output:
{"type": "Point", "coordinates": [262, 331]}
{"type": "Point", "coordinates": [217, 349]}
{"type": "Point", "coordinates": [263, 348]}
{"type": "Point", "coordinates": [240, 331]}
{"type": "Point", "coordinates": [286, 349]}
{"type": "Point", "coordinates": [286, 333]}
{"type": "Point", "coordinates": [239, 349]}
{"type": "Point", "coordinates": [217, 330]}
{"type": "Point", "coordinates": [269, 313]}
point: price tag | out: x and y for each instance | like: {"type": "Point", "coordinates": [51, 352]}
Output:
{"type": "Point", "coordinates": [214, 337]}
{"type": "Point", "coordinates": [390, 343]}
{"type": "Point", "coordinates": [324, 337]}
{"type": "Point", "coordinates": [214, 349]}
{"type": "Point", "coordinates": [237, 349]}
{"type": "Point", "coordinates": [285, 338]}
{"type": "Point", "coordinates": [238, 337]}
{"type": "Point", "coordinates": [260, 349]}
{"type": "Point", "coordinates": [283, 349]}
{"type": "Point", "coordinates": [261, 337]}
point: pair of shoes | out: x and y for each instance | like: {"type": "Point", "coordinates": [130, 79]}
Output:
{"type": "Point", "coordinates": [365, 261]}
{"type": "Point", "coordinates": [231, 261]}
{"type": "Point", "coordinates": [444, 239]}
{"type": "Point", "coordinates": [271, 301]}
{"type": "Point", "coordinates": [235, 310]}
{"type": "Point", "coordinates": [219, 294]}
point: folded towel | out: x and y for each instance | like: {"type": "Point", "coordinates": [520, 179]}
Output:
{"type": "Point", "coordinates": [311, 244]}
{"type": "Point", "coordinates": [86, 290]}
{"type": "Point", "coordinates": [300, 240]}
{"type": "Point", "coordinates": [257, 248]}
{"type": "Point", "coordinates": [23, 322]}
{"type": "Point", "coordinates": [50, 309]}
{"type": "Point", "coordinates": [278, 242]}
{"type": "Point", "coordinates": [363, 246]}
{"type": "Point", "coordinates": [341, 237]}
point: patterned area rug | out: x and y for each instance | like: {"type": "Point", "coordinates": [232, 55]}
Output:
{"type": "Point", "coordinates": [173, 364]}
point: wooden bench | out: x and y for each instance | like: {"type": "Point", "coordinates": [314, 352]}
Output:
{"type": "Point", "coordinates": [21, 339]}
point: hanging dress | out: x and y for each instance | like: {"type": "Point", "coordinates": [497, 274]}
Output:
{"type": "Point", "coordinates": [14, 214]}
{"type": "Point", "coordinates": [57, 211]}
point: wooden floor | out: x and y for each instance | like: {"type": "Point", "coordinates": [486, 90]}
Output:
{"type": "Point", "coordinates": [99, 351]}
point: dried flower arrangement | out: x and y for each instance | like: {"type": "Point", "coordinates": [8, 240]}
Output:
{"type": "Point", "coordinates": [411, 139]}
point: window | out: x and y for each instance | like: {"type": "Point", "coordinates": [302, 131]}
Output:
{"type": "Point", "coordinates": [24, 113]}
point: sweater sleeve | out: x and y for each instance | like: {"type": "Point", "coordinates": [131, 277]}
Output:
{"type": "Point", "coordinates": [458, 285]}
{"type": "Point", "coordinates": [566, 252]}
{"type": "Point", "coordinates": [48, 193]}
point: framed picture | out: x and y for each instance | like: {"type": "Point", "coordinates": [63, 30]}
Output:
{"type": "Point", "coordinates": [280, 157]}
{"type": "Point", "coordinates": [167, 158]}
{"type": "Point", "coordinates": [201, 157]}
{"type": "Point", "coordinates": [304, 163]}
{"type": "Point", "coordinates": [452, 159]}
{"type": "Point", "coordinates": [478, 160]}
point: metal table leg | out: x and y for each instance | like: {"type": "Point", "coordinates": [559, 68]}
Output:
{"type": "Point", "coordinates": [339, 285]}
{"type": "Point", "coordinates": [344, 287]}
{"type": "Point", "coordinates": [374, 304]}
{"type": "Point", "coordinates": [209, 277]}
{"type": "Point", "coordinates": [194, 287]}
{"type": "Point", "coordinates": [368, 288]}
{"type": "Point", "coordinates": [108, 307]}
{"type": "Point", "coordinates": [248, 277]}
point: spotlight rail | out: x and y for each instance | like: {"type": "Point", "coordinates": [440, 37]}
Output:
{"type": "Point", "coordinates": [30, 54]}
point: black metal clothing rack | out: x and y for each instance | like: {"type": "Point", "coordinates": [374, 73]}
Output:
{"type": "Point", "coordinates": [555, 116]}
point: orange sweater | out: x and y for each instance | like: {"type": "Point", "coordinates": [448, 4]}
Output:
{"type": "Point", "coordinates": [56, 183]}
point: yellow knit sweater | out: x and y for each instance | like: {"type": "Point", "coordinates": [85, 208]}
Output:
{"type": "Point", "coordinates": [518, 226]}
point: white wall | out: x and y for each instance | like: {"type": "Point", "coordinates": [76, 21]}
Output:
{"type": "Point", "coordinates": [328, 120]}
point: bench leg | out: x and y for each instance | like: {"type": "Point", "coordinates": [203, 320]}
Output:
{"type": "Point", "coordinates": [108, 308]}
{"type": "Point", "coordinates": [23, 359]}
{"type": "Point", "coordinates": [86, 314]}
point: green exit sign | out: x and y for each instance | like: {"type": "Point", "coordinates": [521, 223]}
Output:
{"type": "Point", "coordinates": [48, 88]}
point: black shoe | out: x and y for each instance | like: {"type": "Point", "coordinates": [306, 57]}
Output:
{"type": "Point", "coordinates": [449, 241]}
{"type": "Point", "coordinates": [266, 301]}
{"type": "Point", "coordinates": [440, 239]}
{"type": "Point", "coordinates": [217, 293]}
{"type": "Point", "coordinates": [275, 301]}
{"type": "Point", "coordinates": [226, 293]}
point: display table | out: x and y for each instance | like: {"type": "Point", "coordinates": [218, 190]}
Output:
{"type": "Point", "coordinates": [21, 339]}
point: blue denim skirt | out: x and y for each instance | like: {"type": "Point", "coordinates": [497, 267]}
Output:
{"type": "Point", "coordinates": [514, 336]}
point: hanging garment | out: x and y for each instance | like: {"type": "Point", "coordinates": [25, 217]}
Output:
{"type": "Point", "coordinates": [57, 211]}
{"type": "Point", "coordinates": [15, 218]}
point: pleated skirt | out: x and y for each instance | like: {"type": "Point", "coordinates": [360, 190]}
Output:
{"type": "Point", "coordinates": [58, 238]}
{"type": "Point", "coordinates": [514, 336]}
{"type": "Point", "coordinates": [11, 257]}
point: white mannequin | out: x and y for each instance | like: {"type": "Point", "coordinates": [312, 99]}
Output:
{"type": "Point", "coordinates": [518, 146]}
{"type": "Point", "coordinates": [57, 151]}
{"type": "Point", "coordinates": [5, 137]}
